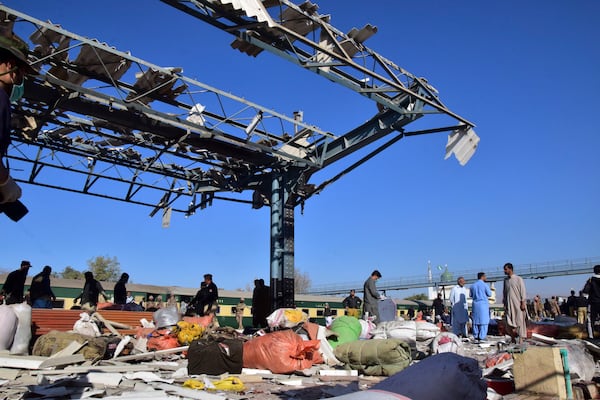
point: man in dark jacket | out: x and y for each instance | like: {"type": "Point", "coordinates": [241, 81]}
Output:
{"type": "Point", "coordinates": [592, 289]}
{"type": "Point", "coordinates": [209, 297]}
{"type": "Point", "coordinates": [372, 297]}
{"type": "Point", "coordinates": [352, 304]}
{"type": "Point", "coordinates": [92, 289]}
{"type": "Point", "coordinates": [15, 284]}
{"type": "Point", "coordinates": [261, 304]}
{"type": "Point", "coordinates": [40, 291]}
{"type": "Point", "coordinates": [438, 307]}
{"type": "Point", "coordinates": [120, 290]}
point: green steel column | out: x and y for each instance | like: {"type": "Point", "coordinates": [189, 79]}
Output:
{"type": "Point", "coordinates": [282, 244]}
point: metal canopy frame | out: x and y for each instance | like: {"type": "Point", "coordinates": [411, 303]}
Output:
{"type": "Point", "coordinates": [145, 134]}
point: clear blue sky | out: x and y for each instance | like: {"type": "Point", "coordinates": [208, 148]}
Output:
{"type": "Point", "coordinates": [526, 73]}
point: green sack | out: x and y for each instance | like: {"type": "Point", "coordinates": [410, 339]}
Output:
{"type": "Point", "coordinates": [347, 329]}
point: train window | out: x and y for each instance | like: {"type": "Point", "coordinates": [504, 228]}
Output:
{"type": "Point", "coordinates": [334, 312]}
{"type": "Point", "coordinates": [233, 310]}
{"type": "Point", "coordinates": [305, 310]}
{"type": "Point", "coordinates": [319, 313]}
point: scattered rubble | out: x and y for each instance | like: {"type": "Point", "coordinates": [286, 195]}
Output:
{"type": "Point", "coordinates": [71, 365]}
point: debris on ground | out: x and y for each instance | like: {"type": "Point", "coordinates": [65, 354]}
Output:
{"type": "Point", "coordinates": [169, 357]}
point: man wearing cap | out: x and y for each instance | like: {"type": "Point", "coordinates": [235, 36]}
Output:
{"type": "Point", "coordinates": [211, 294]}
{"type": "Point", "coordinates": [15, 284]}
{"type": "Point", "coordinates": [371, 296]}
{"type": "Point", "coordinates": [13, 68]}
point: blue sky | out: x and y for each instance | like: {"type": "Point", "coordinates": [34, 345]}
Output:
{"type": "Point", "coordinates": [526, 73]}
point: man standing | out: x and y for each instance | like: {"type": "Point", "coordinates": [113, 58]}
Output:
{"type": "Point", "coordinates": [352, 304]}
{"type": "Point", "coordinates": [40, 290]}
{"type": "Point", "coordinates": [371, 306]}
{"type": "Point", "coordinates": [438, 307]}
{"type": "Point", "coordinates": [514, 299]}
{"type": "Point", "coordinates": [120, 290]}
{"type": "Point", "coordinates": [554, 308]}
{"type": "Point", "coordinates": [592, 289]}
{"type": "Point", "coordinates": [13, 68]}
{"type": "Point", "coordinates": [15, 284]}
{"type": "Point", "coordinates": [239, 313]}
{"type": "Point", "coordinates": [327, 314]}
{"type": "Point", "coordinates": [460, 308]}
{"type": "Point", "coordinates": [480, 293]}
{"type": "Point", "coordinates": [538, 308]}
{"type": "Point", "coordinates": [582, 308]}
{"type": "Point", "coordinates": [572, 304]}
{"type": "Point", "coordinates": [261, 304]}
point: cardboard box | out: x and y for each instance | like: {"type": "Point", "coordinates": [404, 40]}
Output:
{"type": "Point", "coordinates": [540, 370]}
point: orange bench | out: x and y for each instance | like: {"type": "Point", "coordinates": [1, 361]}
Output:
{"type": "Point", "coordinates": [44, 320]}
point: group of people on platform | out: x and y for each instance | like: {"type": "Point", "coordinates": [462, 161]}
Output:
{"type": "Point", "coordinates": [517, 309]}
{"type": "Point", "coordinates": [513, 299]}
{"type": "Point", "coordinates": [573, 306]}
{"type": "Point", "coordinates": [40, 293]}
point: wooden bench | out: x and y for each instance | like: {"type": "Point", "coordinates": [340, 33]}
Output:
{"type": "Point", "coordinates": [44, 320]}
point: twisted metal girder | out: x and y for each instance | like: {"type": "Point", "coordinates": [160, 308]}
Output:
{"type": "Point", "coordinates": [145, 134]}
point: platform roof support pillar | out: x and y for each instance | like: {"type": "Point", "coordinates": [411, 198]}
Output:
{"type": "Point", "coordinates": [282, 244]}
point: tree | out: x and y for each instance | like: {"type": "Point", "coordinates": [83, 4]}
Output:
{"type": "Point", "coordinates": [420, 296]}
{"type": "Point", "coordinates": [302, 281]}
{"type": "Point", "coordinates": [105, 268]}
{"type": "Point", "coordinates": [71, 273]}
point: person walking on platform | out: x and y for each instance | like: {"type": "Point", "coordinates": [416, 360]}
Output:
{"type": "Point", "coordinates": [92, 289]}
{"type": "Point", "coordinates": [460, 308]}
{"type": "Point", "coordinates": [120, 290]}
{"type": "Point", "coordinates": [13, 287]}
{"type": "Point", "coordinates": [40, 291]}
{"type": "Point", "coordinates": [480, 293]}
{"type": "Point", "coordinates": [514, 299]}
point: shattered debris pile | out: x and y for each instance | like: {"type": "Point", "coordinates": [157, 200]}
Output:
{"type": "Point", "coordinates": [170, 357]}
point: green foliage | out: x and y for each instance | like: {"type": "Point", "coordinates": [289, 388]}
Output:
{"type": "Point", "coordinates": [71, 273]}
{"type": "Point", "coordinates": [105, 268]}
{"type": "Point", "coordinates": [420, 296]}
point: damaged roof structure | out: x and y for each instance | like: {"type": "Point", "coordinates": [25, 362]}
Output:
{"type": "Point", "coordinates": [126, 129]}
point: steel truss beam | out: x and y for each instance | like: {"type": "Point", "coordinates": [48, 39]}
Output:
{"type": "Point", "coordinates": [134, 131]}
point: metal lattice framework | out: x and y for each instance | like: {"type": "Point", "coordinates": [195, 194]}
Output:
{"type": "Point", "coordinates": [145, 134]}
{"type": "Point", "coordinates": [129, 130]}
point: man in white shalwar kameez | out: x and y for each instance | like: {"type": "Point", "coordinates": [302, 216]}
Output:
{"type": "Point", "coordinates": [460, 308]}
{"type": "Point", "coordinates": [514, 299]}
